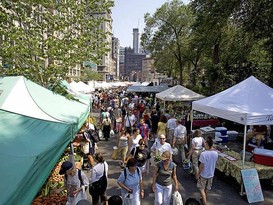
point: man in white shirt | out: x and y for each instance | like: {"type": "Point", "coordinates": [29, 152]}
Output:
{"type": "Point", "coordinates": [160, 145]}
{"type": "Point", "coordinates": [171, 125]}
{"type": "Point", "coordinates": [180, 140]}
{"type": "Point", "coordinates": [207, 166]}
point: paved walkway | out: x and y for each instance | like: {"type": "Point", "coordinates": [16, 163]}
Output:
{"type": "Point", "coordinates": [225, 190]}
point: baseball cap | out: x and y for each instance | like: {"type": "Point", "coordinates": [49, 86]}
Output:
{"type": "Point", "coordinates": [65, 166]}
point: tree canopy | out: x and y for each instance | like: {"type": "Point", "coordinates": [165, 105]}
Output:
{"type": "Point", "coordinates": [43, 39]}
{"type": "Point", "coordinates": [219, 44]}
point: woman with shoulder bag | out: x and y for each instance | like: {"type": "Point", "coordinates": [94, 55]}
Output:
{"type": "Point", "coordinates": [98, 182]}
{"type": "Point", "coordinates": [197, 147]}
{"type": "Point", "coordinates": [130, 181]}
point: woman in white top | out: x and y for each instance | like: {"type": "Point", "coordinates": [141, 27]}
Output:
{"type": "Point", "coordinates": [135, 139]}
{"type": "Point", "coordinates": [197, 146]}
{"type": "Point", "coordinates": [97, 172]}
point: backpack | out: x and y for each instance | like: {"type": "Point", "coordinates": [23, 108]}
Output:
{"type": "Point", "coordinates": [170, 166]}
{"type": "Point", "coordinates": [94, 135]}
{"type": "Point", "coordinates": [125, 173]}
{"type": "Point", "coordinates": [79, 176]}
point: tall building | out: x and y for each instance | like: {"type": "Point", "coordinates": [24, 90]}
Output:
{"type": "Point", "coordinates": [148, 69]}
{"type": "Point", "coordinates": [136, 40]}
{"type": "Point", "coordinates": [121, 62]}
{"type": "Point", "coordinates": [133, 64]}
{"type": "Point", "coordinates": [107, 66]}
{"type": "Point", "coordinates": [115, 54]}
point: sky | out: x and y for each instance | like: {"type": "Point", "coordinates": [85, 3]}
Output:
{"type": "Point", "coordinates": [129, 14]}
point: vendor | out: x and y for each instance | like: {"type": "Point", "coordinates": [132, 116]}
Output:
{"type": "Point", "coordinates": [256, 137]}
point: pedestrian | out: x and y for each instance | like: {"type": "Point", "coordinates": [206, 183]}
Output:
{"type": "Point", "coordinates": [134, 140]}
{"type": "Point", "coordinates": [142, 155]}
{"type": "Point", "coordinates": [123, 144]}
{"type": "Point", "coordinates": [171, 125]}
{"type": "Point", "coordinates": [99, 176]}
{"type": "Point", "coordinates": [162, 125]}
{"type": "Point", "coordinates": [154, 122]}
{"type": "Point", "coordinates": [118, 123]}
{"type": "Point", "coordinates": [144, 131]}
{"type": "Point", "coordinates": [180, 140]}
{"type": "Point", "coordinates": [205, 174]}
{"type": "Point", "coordinates": [197, 147]}
{"type": "Point", "coordinates": [164, 173]}
{"type": "Point", "coordinates": [114, 200]}
{"type": "Point", "coordinates": [106, 123]}
{"type": "Point", "coordinates": [130, 121]}
{"type": "Point", "coordinates": [192, 201]}
{"type": "Point", "coordinates": [75, 182]}
{"type": "Point", "coordinates": [160, 145]}
{"type": "Point", "coordinates": [130, 181]}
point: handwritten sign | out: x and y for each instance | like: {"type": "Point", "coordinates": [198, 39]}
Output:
{"type": "Point", "coordinates": [252, 185]}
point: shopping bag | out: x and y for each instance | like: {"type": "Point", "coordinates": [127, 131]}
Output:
{"type": "Point", "coordinates": [112, 133]}
{"type": "Point", "coordinates": [115, 153]}
{"type": "Point", "coordinates": [177, 198]}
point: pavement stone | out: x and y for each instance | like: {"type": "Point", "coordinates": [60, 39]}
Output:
{"type": "Point", "coordinates": [225, 190]}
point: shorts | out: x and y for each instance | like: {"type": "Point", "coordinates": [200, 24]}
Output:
{"type": "Point", "coordinates": [118, 126]}
{"type": "Point", "coordinates": [204, 183]}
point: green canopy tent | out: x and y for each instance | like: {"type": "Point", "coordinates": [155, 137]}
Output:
{"type": "Point", "coordinates": [36, 127]}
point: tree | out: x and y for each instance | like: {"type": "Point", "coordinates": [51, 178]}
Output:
{"type": "Point", "coordinates": [42, 39]}
{"type": "Point", "coordinates": [256, 18]}
{"type": "Point", "coordinates": [165, 35]}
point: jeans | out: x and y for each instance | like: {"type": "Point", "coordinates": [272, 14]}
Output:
{"type": "Point", "coordinates": [163, 194]}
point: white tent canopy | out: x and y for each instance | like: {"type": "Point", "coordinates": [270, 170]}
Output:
{"type": "Point", "coordinates": [81, 87]}
{"type": "Point", "coordinates": [250, 102]}
{"type": "Point", "coordinates": [178, 93]}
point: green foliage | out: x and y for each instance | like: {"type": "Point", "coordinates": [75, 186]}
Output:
{"type": "Point", "coordinates": [43, 39]}
{"type": "Point", "coordinates": [165, 36]}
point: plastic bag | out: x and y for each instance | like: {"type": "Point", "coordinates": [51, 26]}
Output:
{"type": "Point", "coordinates": [115, 153]}
{"type": "Point", "coordinates": [177, 198]}
{"type": "Point", "coordinates": [112, 133]}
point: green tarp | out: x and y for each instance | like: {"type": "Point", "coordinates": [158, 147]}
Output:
{"type": "Point", "coordinates": [36, 126]}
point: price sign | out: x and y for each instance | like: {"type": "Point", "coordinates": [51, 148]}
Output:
{"type": "Point", "coordinates": [252, 185]}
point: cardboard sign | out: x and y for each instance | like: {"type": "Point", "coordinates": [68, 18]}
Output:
{"type": "Point", "coordinates": [252, 185]}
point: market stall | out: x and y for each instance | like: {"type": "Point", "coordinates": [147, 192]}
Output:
{"type": "Point", "coordinates": [36, 127]}
{"type": "Point", "coordinates": [230, 163]}
{"type": "Point", "coordinates": [250, 102]}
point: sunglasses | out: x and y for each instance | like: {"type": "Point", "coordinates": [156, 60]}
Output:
{"type": "Point", "coordinates": [162, 138]}
{"type": "Point", "coordinates": [141, 144]}
{"type": "Point", "coordinates": [165, 160]}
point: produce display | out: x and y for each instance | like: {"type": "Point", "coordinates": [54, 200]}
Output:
{"type": "Point", "coordinates": [46, 195]}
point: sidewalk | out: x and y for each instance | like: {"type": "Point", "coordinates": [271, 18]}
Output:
{"type": "Point", "coordinates": [225, 190]}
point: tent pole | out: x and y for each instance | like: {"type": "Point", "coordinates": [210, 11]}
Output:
{"type": "Point", "coordinates": [191, 118]}
{"type": "Point", "coordinates": [244, 147]}
{"type": "Point", "coordinates": [71, 155]}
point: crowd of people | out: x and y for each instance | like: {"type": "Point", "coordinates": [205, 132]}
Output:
{"type": "Point", "coordinates": [148, 139]}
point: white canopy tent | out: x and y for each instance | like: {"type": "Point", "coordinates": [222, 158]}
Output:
{"type": "Point", "coordinates": [178, 93]}
{"type": "Point", "coordinates": [249, 102]}
{"type": "Point", "coordinates": [80, 87]}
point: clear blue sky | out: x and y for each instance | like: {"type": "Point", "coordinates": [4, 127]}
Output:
{"type": "Point", "coordinates": [129, 14]}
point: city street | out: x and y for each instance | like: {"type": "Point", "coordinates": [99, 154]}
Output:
{"type": "Point", "coordinates": [225, 190]}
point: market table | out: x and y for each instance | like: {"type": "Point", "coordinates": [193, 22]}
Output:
{"type": "Point", "coordinates": [233, 166]}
